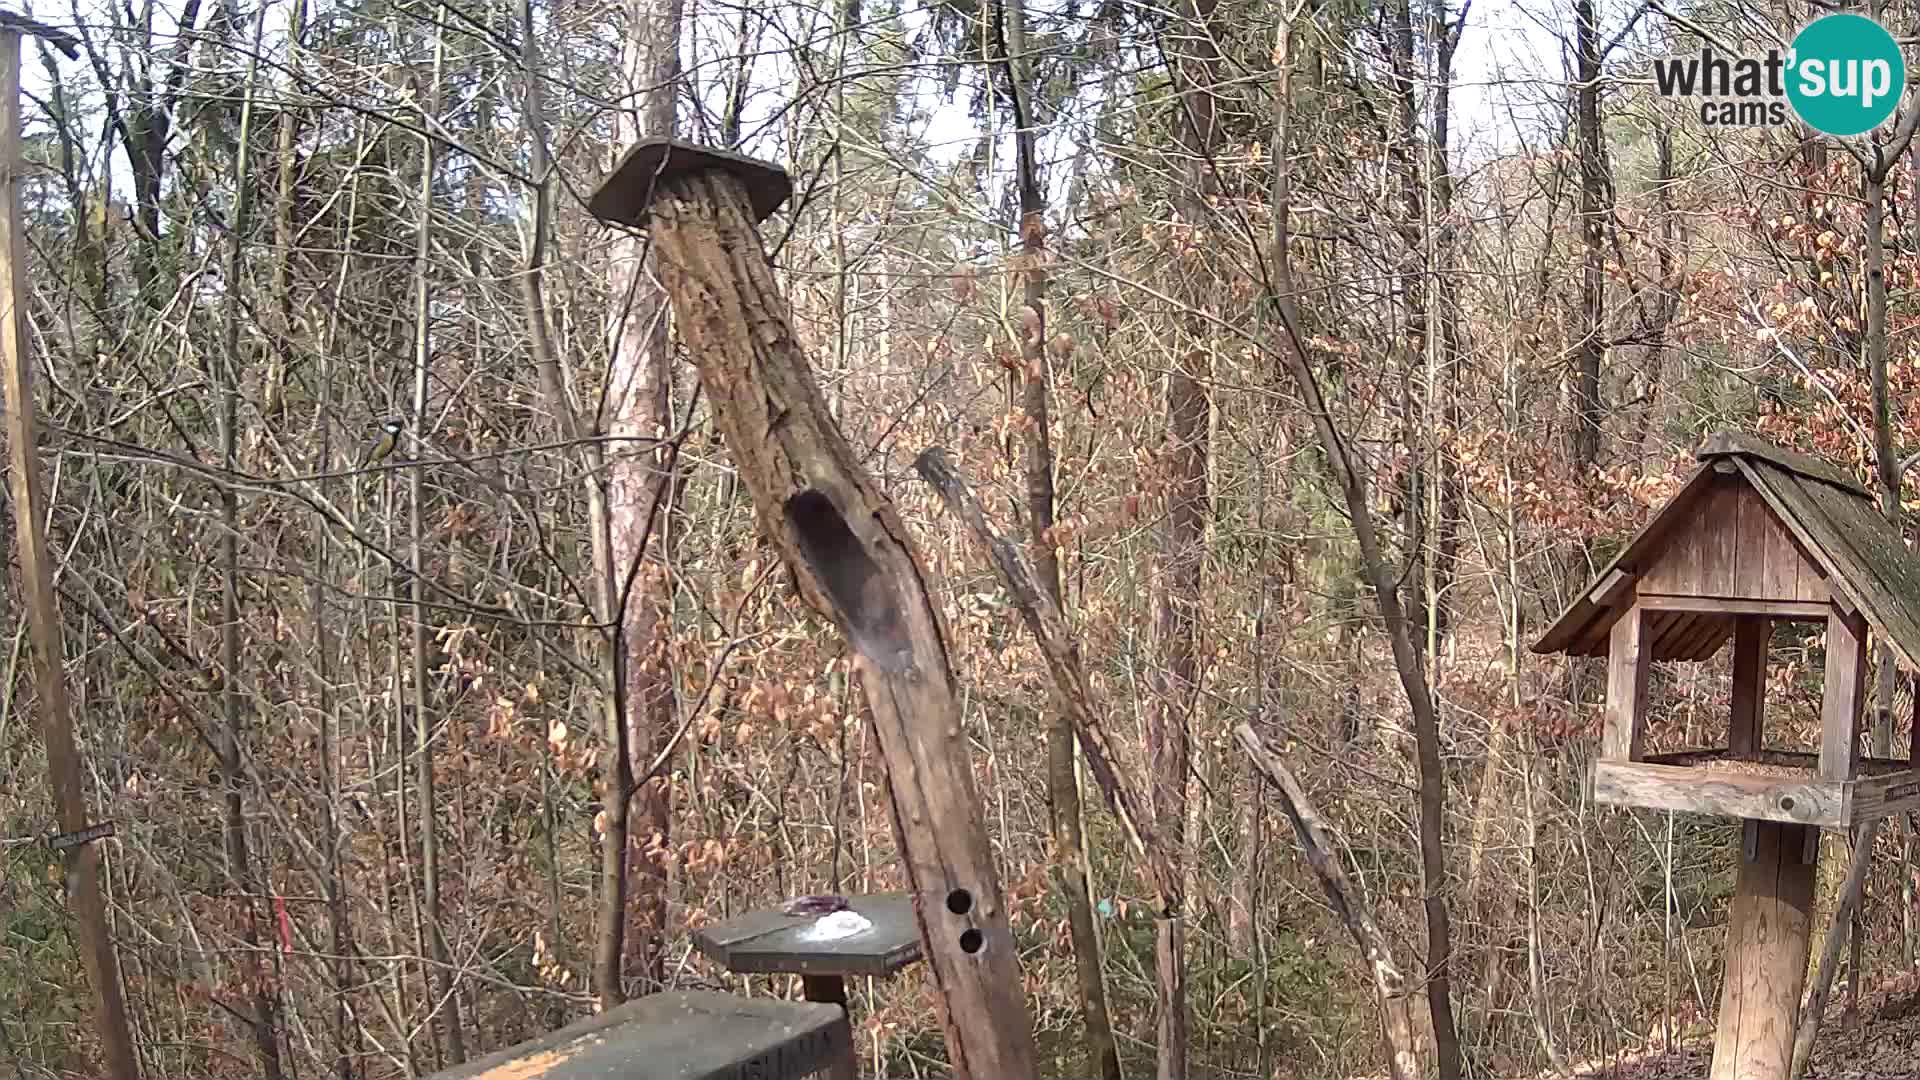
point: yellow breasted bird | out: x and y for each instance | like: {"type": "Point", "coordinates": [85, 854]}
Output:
{"type": "Point", "coordinates": [383, 446]}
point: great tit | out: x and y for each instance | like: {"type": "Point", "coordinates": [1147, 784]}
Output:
{"type": "Point", "coordinates": [383, 446]}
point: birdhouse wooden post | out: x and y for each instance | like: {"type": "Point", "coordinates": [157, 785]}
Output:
{"type": "Point", "coordinates": [1756, 536]}
{"type": "Point", "coordinates": [851, 558]}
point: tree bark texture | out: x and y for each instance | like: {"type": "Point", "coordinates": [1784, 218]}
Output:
{"type": "Point", "coordinates": [853, 562]}
{"type": "Point", "coordinates": [263, 1000]}
{"type": "Point", "coordinates": [64, 774]}
{"type": "Point", "coordinates": [1063, 790]}
{"type": "Point", "coordinates": [643, 496]}
{"type": "Point", "coordinates": [1591, 346]}
{"type": "Point", "coordinates": [1176, 682]}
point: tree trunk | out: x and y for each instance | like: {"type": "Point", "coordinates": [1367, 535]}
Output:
{"type": "Point", "coordinates": [64, 774]}
{"type": "Point", "coordinates": [643, 498]}
{"type": "Point", "coordinates": [1177, 680]}
{"type": "Point", "coordinates": [1063, 789]}
{"type": "Point", "coordinates": [446, 986]}
{"type": "Point", "coordinates": [1292, 353]}
{"type": "Point", "coordinates": [852, 560]}
{"type": "Point", "coordinates": [232, 772]}
{"type": "Point", "coordinates": [1591, 346]}
{"type": "Point", "coordinates": [1887, 463]}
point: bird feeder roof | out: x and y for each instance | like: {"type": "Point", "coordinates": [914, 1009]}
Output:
{"type": "Point", "coordinates": [1758, 519]}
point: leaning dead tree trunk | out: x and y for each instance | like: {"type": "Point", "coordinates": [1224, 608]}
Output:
{"type": "Point", "coordinates": [851, 559]}
{"type": "Point", "coordinates": [64, 774]}
{"type": "Point", "coordinates": [1389, 986]}
{"type": "Point", "coordinates": [1049, 629]}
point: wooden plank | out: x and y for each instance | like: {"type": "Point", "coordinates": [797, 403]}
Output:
{"type": "Point", "coordinates": [693, 1035]}
{"type": "Point", "coordinates": [1594, 637]}
{"type": "Point", "coordinates": [1704, 789]}
{"type": "Point", "coordinates": [1720, 539]}
{"type": "Point", "coordinates": [1779, 609]}
{"type": "Point", "coordinates": [1663, 630]}
{"type": "Point", "coordinates": [1804, 540]}
{"type": "Point", "coordinates": [1722, 631]}
{"type": "Point", "coordinates": [1913, 719]}
{"type": "Point", "coordinates": [1880, 796]}
{"type": "Point", "coordinates": [1842, 694]}
{"type": "Point", "coordinates": [1754, 522]}
{"type": "Point", "coordinates": [1733, 442]}
{"type": "Point", "coordinates": [1750, 636]}
{"type": "Point", "coordinates": [1791, 759]}
{"type": "Point", "coordinates": [1682, 558]}
{"type": "Point", "coordinates": [1626, 688]}
{"type": "Point", "coordinates": [1768, 931]}
{"type": "Point", "coordinates": [1612, 589]}
{"type": "Point", "coordinates": [1704, 636]}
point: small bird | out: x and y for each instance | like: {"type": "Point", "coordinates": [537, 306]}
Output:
{"type": "Point", "coordinates": [383, 446]}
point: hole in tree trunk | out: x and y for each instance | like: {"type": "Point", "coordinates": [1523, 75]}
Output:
{"type": "Point", "coordinates": [959, 901]}
{"type": "Point", "coordinates": [971, 941]}
{"type": "Point", "coordinates": [853, 581]}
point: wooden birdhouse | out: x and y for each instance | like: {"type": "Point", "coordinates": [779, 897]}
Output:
{"type": "Point", "coordinates": [1755, 537]}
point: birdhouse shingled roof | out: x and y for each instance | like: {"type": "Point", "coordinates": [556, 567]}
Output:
{"type": "Point", "coordinates": [1834, 526]}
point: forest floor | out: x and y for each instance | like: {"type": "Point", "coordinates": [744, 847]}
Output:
{"type": "Point", "coordinates": [1883, 1045]}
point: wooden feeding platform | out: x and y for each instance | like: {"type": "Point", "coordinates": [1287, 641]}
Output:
{"type": "Point", "coordinates": [1756, 536]}
{"type": "Point", "coordinates": [691, 1035]}
{"type": "Point", "coordinates": [1770, 785]}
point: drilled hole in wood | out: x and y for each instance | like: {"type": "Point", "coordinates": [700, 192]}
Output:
{"type": "Point", "coordinates": [853, 581]}
{"type": "Point", "coordinates": [971, 941]}
{"type": "Point", "coordinates": [1786, 802]}
{"type": "Point", "coordinates": [959, 901]}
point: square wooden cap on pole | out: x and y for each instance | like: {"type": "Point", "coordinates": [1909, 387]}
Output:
{"type": "Point", "coordinates": [625, 196]}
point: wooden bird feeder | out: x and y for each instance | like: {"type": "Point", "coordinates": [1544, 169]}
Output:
{"type": "Point", "coordinates": [1756, 536]}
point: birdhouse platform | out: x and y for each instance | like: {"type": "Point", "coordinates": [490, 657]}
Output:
{"type": "Point", "coordinates": [1756, 536]}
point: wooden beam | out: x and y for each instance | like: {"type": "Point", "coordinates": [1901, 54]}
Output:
{"type": "Point", "coordinates": [1842, 694]}
{"type": "Point", "coordinates": [64, 774]}
{"type": "Point", "coordinates": [1768, 931]}
{"type": "Point", "coordinates": [1610, 590]}
{"type": "Point", "coordinates": [855, 563]}
{"type": "Point", "coordinates": [1913, 735]}
{"type": "Point", "coordinates": [1885, 796]}
{"type": "Point", "coordinates": [1805, 610]}
{"type": "Point", "coordinates": [1704, 789]}
{"type": "Point", "coordinates": [1626, 688]}
{"type": "Point", "coordinates": [1750, 636]}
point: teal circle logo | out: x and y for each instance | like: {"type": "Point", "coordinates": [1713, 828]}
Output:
{"type": "Point", "coordinates": [1846, 74]}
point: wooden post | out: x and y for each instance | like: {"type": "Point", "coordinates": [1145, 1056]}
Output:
{"type": "Point", "coordinates": [1750, 635]}
{"type": "Point", "coordinates": [1626, 688]}
{"type": "Point", "coordinates": [1913, 735]}
{"type": "Point", "coordinates": [1842, 694]}
{"type": "Point", "coordinates": [852, 561]}
{"type": "Point", "coordinates": [1767, 936]}
{"type": "Point", "coordinates": [832, 990]}
{"type": "Point", "coordinates": [36, 578]}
